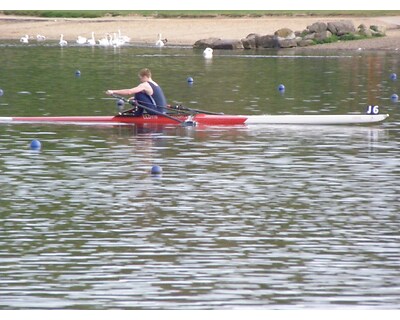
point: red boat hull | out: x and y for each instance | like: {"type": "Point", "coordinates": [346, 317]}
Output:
{"type": "Point", "coordinates": [145, 119]}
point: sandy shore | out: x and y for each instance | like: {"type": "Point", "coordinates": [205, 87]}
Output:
{"type": "Point", "coordinates": [186, 31]}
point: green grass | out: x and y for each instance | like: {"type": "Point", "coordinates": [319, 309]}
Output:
{"type": "Point", "coordinates": [345, 37]}
{"type": "Point", "coordinates": [197, 13]}
{"type": "Point", "coordinates": [63, 14]}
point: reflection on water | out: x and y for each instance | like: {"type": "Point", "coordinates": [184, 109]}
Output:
{"type": "Point", "coordinates": [257, 217]}
{"type": "Point", "coordinates": [280, 217]}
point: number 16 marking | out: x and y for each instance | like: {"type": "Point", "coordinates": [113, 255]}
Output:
{"type": "Point", "coordinates": [373, 110]}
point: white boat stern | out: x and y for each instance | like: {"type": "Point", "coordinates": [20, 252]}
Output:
{"type": "Point", "coordinates": [6, 119]}
{"type": "Point", "coordinates": [316, 119]}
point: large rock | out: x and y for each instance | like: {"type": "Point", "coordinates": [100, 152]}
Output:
{"type": "Point", "coordinates": [319, 36]}
{"type": "Point", "coordinates": [217, 43]}
{"type": "Point", "coordinates": [310, 36]}
{"type": "Point", "coordinates": [250, 42]}
{"type": "Point", "coordinates": [378, 30]}
{"type": "Point", "coordinates": [284, 33]}
{"type": "Point", "coordinates": [205, 43]}
{"type": "Point", "coordinates": [340, 28]}
{"type": "Point", "coordinates": [317, 27]}
{"type": "Point", "coordinates": [287, 43]}
{"type": "Point", "coordinates": [364, 30]}
{"type": "Point", "coordinates": [304, 43]}
{"type": "Point", "coordinates": [267, 41]}
{"type": "Point", "coordinates": [227, 44]}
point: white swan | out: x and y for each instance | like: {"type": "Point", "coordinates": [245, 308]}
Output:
{"type": "Point", "coordinates": [160, 42]}
{"type": "Point", "coordinates": [81, 40]}
{"type": "Point", "coordinates": [92, 41]}
{"type": "Point", "coordinates": [40, 37]}
{"type": "Point", "coordinates": [116, 41]}
{"type": "Point", "coordinates": [24, 39]}
{"type": "Point", "coordinates": [208, 53]}
{"type": "Point", "coordinates": [62, 42]}
{"type": "Point", "coordinates": [105, 41]}
{"type": "Point", "coordinates": [123, 38]}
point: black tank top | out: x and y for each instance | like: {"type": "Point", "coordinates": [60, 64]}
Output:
{"type": "Point", "coordinates": [158, 96]}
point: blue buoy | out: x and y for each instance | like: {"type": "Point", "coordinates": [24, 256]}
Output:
{"type": "Point", "coordinates": [35, 145]}
{"type": "Point", "coordinates": [1, 92]}
{"type": "Point", "coordinates": [190, 80]}
{"type": "Point", "coordinates": [281, 88]}
{"type": "Point", "coordinates": [156, 170]}
{"type": "Point", "coordinates": [78, 73]}
{"type": "Point", "coordinates": [394, 97]}
{"type": "Point", "coordinates": [393, 76]}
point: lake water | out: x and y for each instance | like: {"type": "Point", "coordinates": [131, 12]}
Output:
{"type": "Point", "coordinates": [263, 217]}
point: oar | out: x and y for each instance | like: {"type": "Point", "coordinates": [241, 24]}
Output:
{"type": "Point", "coordinates": [181, 107]}
{"type": "Point", "coordinates": [183, 123]}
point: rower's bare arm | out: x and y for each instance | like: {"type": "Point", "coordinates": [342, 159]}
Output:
{"type": "Point", "coordinates": [128, 92]}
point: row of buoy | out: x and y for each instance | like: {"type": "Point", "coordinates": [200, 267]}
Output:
{"type": "Point", "coordinates": [281, 87]}
{"type": "Point", "coordinates": [394, 97]}
{"type": "Point", "coordinates": [393, 76]}
{"type": "Point", "coordinates": [37, 145]}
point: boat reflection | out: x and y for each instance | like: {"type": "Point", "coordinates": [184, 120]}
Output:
{"type": "Point", "coordinates": [372, 133]}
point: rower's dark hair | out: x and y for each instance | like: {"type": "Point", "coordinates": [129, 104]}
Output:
{"type": "Point", "coordinates": [145, 73]}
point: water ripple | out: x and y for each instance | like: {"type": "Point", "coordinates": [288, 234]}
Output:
{"type": "Point", "coordinates": [280, 217]}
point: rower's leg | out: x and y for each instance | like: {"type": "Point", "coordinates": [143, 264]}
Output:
{"type": "Point", "coordinates": [135, 111]}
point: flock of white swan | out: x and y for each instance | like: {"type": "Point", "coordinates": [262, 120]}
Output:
{"type": "Point", "coordinates": [115, 40]}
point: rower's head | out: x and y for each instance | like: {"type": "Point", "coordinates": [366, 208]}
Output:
{"type": "Point", "coordinates": [144, 74]}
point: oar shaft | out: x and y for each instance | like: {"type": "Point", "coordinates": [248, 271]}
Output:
{"type": "Point", "coordinates": [159, 113]}
{"type": "Point", "coordinates": [180, 107]}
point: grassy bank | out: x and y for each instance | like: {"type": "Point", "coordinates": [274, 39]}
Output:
{"type": "Point", "coordinates": [197, 13]}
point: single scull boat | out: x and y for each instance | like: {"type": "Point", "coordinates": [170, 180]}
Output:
{"type": "Point", "coordinates": [205, 119]}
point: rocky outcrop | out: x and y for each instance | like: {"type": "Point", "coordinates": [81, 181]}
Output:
{"type": "Point", "coordinates": [320, 31]}
{"type": "Point", "coordinates": [205, 43]}
{"type": "Point", "coordinates": [250, 42]}
{"type": "Point", "coordinates": [341, 28]}
{"type": "Point", "coordinates": [216, 43]}
{"type": "Point", "coordinates": [378, 30]}
{"type": "Point", "coordinates": [284, 34]}
{"type": "Point", "coordinates": [321, 36]}
{"type": "Point", "coordinates": [364, 30]}
{"type": "Point", "coordinates": [267, 41]}
{"type": "Point", "coordinates": [229, 44]}
{"type": "Point", "coordinates": [286, 38]}
{"type": "Point", "coordinates": [305, 43]}
{"type": "Point", "coordinates": [317, 27]}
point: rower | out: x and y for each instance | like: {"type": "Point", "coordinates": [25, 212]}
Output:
{"type": "Point", "coordinates": [148, 93]}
